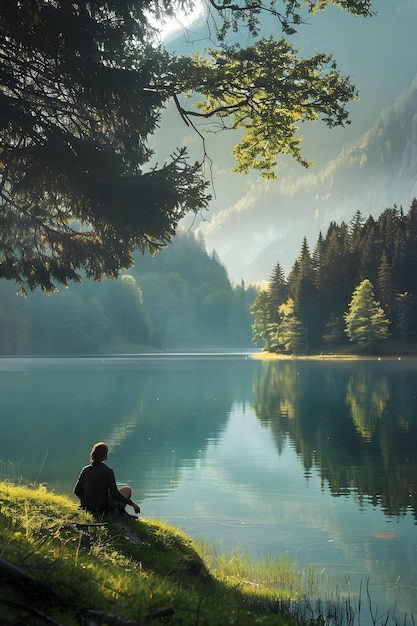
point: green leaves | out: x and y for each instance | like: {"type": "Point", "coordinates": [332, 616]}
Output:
{"type": "Point", "coordinates": [366, 323]}
{"type": "Point", "coordinates": [266, 91]}
{"type": "Point", "coordinates": [78, 103]}
{"type": "Point", "coordinates": [289, 14]}
{"type": "Point", "coordinates": [82, 88]}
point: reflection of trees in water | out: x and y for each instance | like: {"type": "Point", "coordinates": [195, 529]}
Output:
{"type": "Point", "coordinates": [366, 399]}
{"type": "Point", "coordinates": [275, 391]}
{"type": "Point", "coordinates": [275, 398]}
{"type": "Point", "coordinates": [355, 423]}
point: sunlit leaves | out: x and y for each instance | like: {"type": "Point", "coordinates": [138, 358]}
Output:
{"type": "Point", "coordinates": [82, 88]}
{"type": "Point", "coordinates": [265, 92]}
{"type": "Point", "coordinates": [290, 333]}
{"type": "Point", "coordinates": [366, 323]}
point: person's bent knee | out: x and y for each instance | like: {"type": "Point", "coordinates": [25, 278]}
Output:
{"type": "Point", "coordinates": [126, 491]}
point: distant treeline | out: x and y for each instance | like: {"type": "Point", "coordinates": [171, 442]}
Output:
{"type": "Point", "coordinates": [180, 298]}
{"type": "Point", "coordinates": [320, 285]}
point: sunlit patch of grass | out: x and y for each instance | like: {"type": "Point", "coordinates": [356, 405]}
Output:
{"type": "Point", "coordinates": [273, 573]}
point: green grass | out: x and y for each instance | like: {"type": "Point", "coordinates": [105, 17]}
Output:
{"type": "Point", "coordinates": [134, 569]}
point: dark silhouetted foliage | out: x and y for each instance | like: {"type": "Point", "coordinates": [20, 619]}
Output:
{"type": "Point", "coordinates": [82, 88]}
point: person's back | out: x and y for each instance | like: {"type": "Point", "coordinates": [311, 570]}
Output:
{"type": "Point", "coordinates": [94, 491]}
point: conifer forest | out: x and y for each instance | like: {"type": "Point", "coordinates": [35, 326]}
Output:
{"type": "Point", "coordinates": [354, 290]}
{"type": "Point", "coordinates": [356, 287]}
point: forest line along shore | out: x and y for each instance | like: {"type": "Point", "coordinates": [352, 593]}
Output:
{"type": "Point", "coordinates": [270, 356]}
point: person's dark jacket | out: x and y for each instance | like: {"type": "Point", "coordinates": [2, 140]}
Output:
{"type": "Point", "coordinates": [94, 486]}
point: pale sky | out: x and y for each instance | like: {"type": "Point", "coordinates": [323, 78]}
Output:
{"type": "Point", "coordinates": [253, 223]}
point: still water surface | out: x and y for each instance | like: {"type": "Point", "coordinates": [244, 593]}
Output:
{"type": "Point", "coordinates": [314, 460]}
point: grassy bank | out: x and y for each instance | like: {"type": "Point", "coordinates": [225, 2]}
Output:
{"type": "Point", "coordinates": [132, 572]}
{"type": "Point", "coordinates": [394, 352]}
{"type": "Point", "coordinates": [137, 572]}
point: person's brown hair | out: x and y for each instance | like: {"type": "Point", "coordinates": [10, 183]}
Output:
{"type": "Point", "coordinates": [99, 452]}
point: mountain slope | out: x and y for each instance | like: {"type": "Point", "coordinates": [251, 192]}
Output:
{"type": "Point", "coordinates": [377, 171]}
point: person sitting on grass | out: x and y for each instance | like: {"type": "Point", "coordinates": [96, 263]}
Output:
{"type": "Point", "coordinates": [96, 487]}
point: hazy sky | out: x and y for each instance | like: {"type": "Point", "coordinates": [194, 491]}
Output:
{"type": "Point", "coordinates": [244, 220]}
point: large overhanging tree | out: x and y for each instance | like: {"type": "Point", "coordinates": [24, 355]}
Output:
{"type": "Point", "coordinates": [82, 88]}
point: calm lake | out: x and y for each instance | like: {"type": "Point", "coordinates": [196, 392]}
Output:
{"type": "Point", "coordinates": [314, 460]}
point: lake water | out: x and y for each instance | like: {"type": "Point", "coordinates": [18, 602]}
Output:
{"type": "Point", "coordinates": [314, 460]}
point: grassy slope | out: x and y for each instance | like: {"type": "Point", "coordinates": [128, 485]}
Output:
{"type": "Point", "coordinates": [133, 569]}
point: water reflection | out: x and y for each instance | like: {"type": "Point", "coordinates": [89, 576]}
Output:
{"type": "Point", "coordinates": [156, 415]}
{"type": "Point", "coordinates": [356, 424]}
{"type": "Point", "coordinates": [353, 423]}
{"type": "Point", "coordinates": [366, 397]}
{"type": "Point", "coordinates": [316, 459]}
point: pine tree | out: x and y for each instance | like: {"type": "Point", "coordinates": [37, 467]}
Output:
{"type": "Point", "coordinates": [388, 225]}
{"type": "Point", "coordinates": [385, 286]}
{"type": "Point", "coordinates": [369, 251]}
{"type": "Point", "coordinates": [277, 292]}
{"type": "Point", "coordinates": [334, 335]}
{"type": "Point", "coordinates": [262, 326]}
{"type": "Point", "coordinates": [366, 323]}
{"type": "Point", "coordinates": [404, 302]}
{"type": "Point", "coordinates": [334, 259]}
{"type": "Point", "coordinates": [410, 264]}
{"type": "Point", "coordinates": [304, 294]}
{"type": "Point", "coordinates": [290, 333]}
{"type": "Point", "coordinates": [317, 258]}
{"type": "Point", "coordinates": [355, 231]}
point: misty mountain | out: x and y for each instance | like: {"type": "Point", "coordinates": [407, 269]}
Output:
{"type": "Point", "coordinates": [376, 172]}
{"type": "Point", "coordinates": [380, 169]}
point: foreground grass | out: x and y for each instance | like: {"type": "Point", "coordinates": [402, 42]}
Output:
{"type": "Point", "coordinates": [132, 570]}
{"type": "Point", "coordinates": [139, 572]}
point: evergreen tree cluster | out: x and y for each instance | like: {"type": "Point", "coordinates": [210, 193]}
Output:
{"type": "Point", "coordinates": [359, 284]}
{"type": "Point", "coordinates": [181, 298]}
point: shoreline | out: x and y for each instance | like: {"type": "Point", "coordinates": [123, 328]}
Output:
{"type": "Point", "coordinates": [270, 356]}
